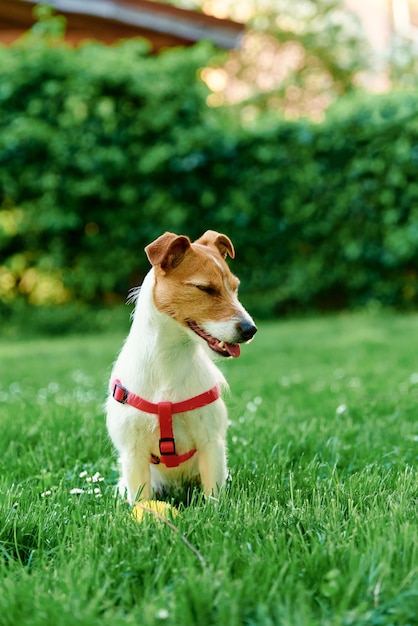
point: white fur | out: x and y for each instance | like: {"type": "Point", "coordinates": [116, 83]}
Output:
{"type": "Point", "coordinates": [163, 361]}
{"type": "Point", "coordinates": [226, 330]}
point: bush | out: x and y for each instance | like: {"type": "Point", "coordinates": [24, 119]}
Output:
{"type": "Point", "coordinates": [86, 137]}
{"type": "Point", "coordinates": [104, 148]}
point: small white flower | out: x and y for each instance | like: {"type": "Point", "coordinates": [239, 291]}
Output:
{"type": "Point", "coordinates": [162, 614]}
{"type": "Point", "coordinates": [341, 409]}
{"type": "Point", "coordinates": [46, 493]}
{"type": "Point", "coordinates": [76, 491]}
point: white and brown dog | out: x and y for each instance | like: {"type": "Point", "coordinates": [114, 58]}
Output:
{"type": "Point", "coordinates": [164, 412]}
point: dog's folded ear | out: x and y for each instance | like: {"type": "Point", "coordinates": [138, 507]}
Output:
{"type": "Point", "coordinates": [222, 242]}
{"type": "Point", "coordinates": [168, 250]}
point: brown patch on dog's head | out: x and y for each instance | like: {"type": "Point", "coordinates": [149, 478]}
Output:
{"type": "Point", "coordinates": [192, 280]}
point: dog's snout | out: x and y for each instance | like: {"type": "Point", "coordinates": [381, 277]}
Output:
{"type": "Point", "coordinates": [246, 329]}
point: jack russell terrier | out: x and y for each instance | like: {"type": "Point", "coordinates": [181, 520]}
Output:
{"type": "Point", "coordinates": [165, 415]}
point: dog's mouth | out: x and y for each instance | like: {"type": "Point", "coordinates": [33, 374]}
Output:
{"type": "Point", "coordinates": [220, 347]}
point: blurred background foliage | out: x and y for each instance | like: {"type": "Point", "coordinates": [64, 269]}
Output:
{"type": "Point", "coordinates": [296, 57]}
{"type": "Point", "coordinates": [104, 148]}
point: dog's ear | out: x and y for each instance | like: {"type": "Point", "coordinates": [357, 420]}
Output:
{"type": "Point", "coordinates": [222, 242]}
{"type": "Point", "coordinates": [168, 250]}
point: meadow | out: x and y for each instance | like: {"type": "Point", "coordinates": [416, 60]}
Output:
{"type": "Point", "coordinates": [317, 525]}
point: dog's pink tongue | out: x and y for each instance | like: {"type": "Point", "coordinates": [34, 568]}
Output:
{"type": "Point", "coordinates": [233, 349]}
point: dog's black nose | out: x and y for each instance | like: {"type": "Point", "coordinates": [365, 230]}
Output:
{"type": "Point", "coordinates": [246, 330]}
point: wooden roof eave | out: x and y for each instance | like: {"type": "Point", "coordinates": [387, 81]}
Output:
{"type": "Point", "coordinates": [184, 24]}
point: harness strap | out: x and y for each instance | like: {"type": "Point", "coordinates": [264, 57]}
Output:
{"type": "Point", "coordinates": [165, 411]}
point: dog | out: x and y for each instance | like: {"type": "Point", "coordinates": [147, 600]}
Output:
{"type": "Point", "coordinates": [165, 415]}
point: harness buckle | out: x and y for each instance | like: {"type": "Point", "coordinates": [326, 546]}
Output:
{"type": "Point", "coordinates": [120, 393]}
{"type": "Point", "coordinates": [167, 446]}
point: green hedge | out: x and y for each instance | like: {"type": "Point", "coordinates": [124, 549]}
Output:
{"type": "Point", "coordinates": [103, 148]}
{"type": "Point", "coordinates": [87, 138]}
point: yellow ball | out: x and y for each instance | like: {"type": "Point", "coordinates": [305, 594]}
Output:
{"type": "Point", "coordinates": [147, 507]}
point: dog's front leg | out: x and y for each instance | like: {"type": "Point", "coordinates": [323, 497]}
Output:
{"type": "Point", "coordinates": [212, 467]}
{"type": "Point", "coordinates": [136, 476]}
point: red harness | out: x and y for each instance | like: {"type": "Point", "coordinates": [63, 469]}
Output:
{"type": "Point", "coordinates": [165, 412]}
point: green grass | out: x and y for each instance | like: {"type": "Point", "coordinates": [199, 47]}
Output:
{"type": "Point", "coordinates": [318, 523]}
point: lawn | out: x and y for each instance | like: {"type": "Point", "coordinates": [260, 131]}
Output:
{"type": "Point", "coordinates": [317, 525]}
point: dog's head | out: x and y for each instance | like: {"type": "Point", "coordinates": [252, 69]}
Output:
{"type": "Point", "coordinates": [194, 286]}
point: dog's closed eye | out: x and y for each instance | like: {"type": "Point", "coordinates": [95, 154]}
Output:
{"type": "Point", "coordinates": [212, 291]}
